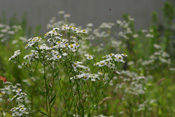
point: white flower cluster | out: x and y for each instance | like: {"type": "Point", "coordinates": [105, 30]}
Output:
{"type": "Point", "coordinates": [16, 54]}
{"type": "Point", "coordinates": [100, 34]}
{"type": "Point", "coordinates": [64, 20]}
{"type": "Point", "coordinates": [86, 76]}
{"type": "Point", "coordinates": [111, 60]}
{"type": "Point", "coordinates": [128, 33]}
{"type": "Point", "coordinates": [57, 47]}
{"type": "Point", "coordinates": [6, 31]}
{"type": "Point", "coordinates": [102, 31]}
{"type": "Point", "coordinates": [105, 25]}
{"type": "Point", "coordinates": [126, 28]}
{"type": "Point", "coordinates": [146, 105]}
{"type": "Point", "coordinates": [148, 34]}
{"type": "Point", "coordinates": [133, 83]}
{"type": "Point", "coordinates": [14, 92]}
{"type": "Point", "coordinates": [33, 41]}
{"type": "Point", "coordinates": [77, 66]}
{"type": "Point", "coordinates": [158, 56]}
{"type": "Point", "coordinates": [19, 111]}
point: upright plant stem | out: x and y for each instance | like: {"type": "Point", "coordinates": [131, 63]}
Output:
{"type": "Point", "coordinates": [46, 96]}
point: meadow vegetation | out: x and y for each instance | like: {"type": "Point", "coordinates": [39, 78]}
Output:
{"type": "Point", "coordinates": [112, 70]}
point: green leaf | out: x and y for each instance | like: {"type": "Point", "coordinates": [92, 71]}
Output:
{"type": "Point", "coordinates": [43, 113]}
{"type": "Point", "coordinates": [160, 112]}
{"type": "Point", "coordinates": [52, 101]}
{"type": "Point", "coordinates": [53, 98]}
{"type": "Point", "coordinates": [52, 104]}
{"type": "Point", "coordinates": [1, 84]}
{"type": "Point", "coordinates": [42, 93]}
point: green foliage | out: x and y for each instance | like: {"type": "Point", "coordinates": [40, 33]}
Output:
{"type": "Point", "coordinates": [168, 12]}
{"type": "Point", "coordinates": [87, 75]}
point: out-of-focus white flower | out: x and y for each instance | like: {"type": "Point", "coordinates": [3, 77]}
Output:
{"type": "Point", "coordinates": [61, 12]}
{"type": "Point", "coordinates": [157, 46]}
{"type": "Point", "coordinates": [14, 41]}
{"type": "Point", "coordinates": [118, 58]}
{"type": "Point", "coordinates": [88, 57]}
{"type": "Point", "coordinates": [82, 31]}
{"type": "Point", "coordinates": [90, 25]}
{"type": "Point", "coordinates": [16, 54]}
{"type": "Point", "coordinates": [149, 35]}
{"type": "Point", "coordinates": [135, 35]}
{"type": "Point", "coordinates": [66, 16]}
{"type": "Point", "coordinates": [64, 54]}
{"type": "Point", "coordinates": [105, 25]}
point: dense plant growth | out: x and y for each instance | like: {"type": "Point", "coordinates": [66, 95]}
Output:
{"type": "Point", "coordinates": [112, 70]}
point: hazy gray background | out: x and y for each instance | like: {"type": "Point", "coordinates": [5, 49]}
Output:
{"type": "Point", "coordinates": [83, 11]}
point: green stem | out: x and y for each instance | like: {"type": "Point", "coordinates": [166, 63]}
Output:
{"type": "Point", "coordinates": [46, 87]}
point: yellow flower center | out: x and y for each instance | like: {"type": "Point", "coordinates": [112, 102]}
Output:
{"type": "Point", "coordinates": [75, 65]}
{"type": "Point", "coordinates": [71, 46]}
